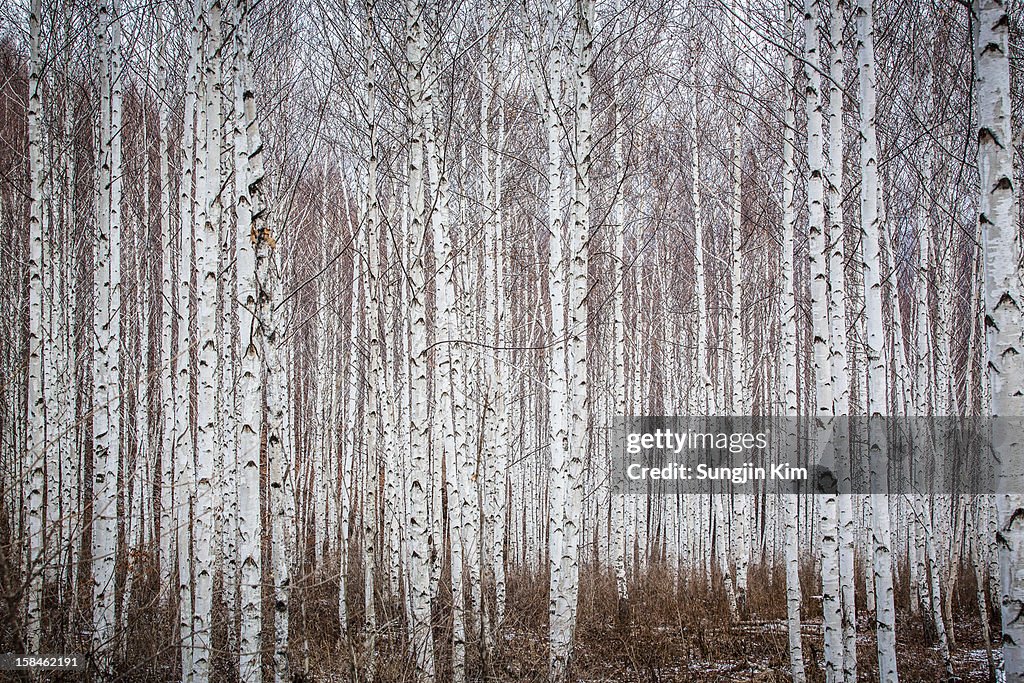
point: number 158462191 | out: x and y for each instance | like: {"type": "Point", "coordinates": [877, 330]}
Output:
{"type": "Point", "coordinates": [13, 662]}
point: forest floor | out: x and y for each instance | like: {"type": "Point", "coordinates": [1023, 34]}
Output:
{"type": "Point", "coordinates": [671, 630]}
{"type": "Point", "coordinates": [671, 633]}
{"type": "Point", "coordinates": [745, 652]}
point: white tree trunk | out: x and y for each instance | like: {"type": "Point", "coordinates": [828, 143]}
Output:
{"type": "Point", "coordinates": [106, 345]}
{"type": "Point", "coordinates": [579, 245]}
{"type": "Point", "coordinates": [836, 237]}
{"type": "Point", "coordinates": [831, 604]}
{"type": "Point", "coordinates": [36, 446]}
{"type": "Point", "coordinates": [417, 519]}
{"type": "Point", "coordinates": [788, 356]}
{"type": "Point", "coordinates": [741, 547]}
{"type": "Point", "coordinates": [501, 380]}
{"type": "Point", "coordinates": [495, 431]}
{"type": "Point", "coordinates": [167, 313]}
{"type": "Point", "coordinates": [447, 383]}
{"type": "Point", "coordinates": [372, 292]}
{"type": "Point", "coordinates": [618, 219]}
{"type": "Point", "coordinates": [249, 208]}
{"type": "Point", "coordinates": [559, 604]}
{"type": "Point", "coordinates": [1003, 308]}
{"type": "Point", "coordinates": [877, 395]}
{"type": "Point", "coordinates": [207, 262]}
{"type": "Point", "coordinates": [279, 461]}
{"type": "Point", "coordinates": [227, 404]}
{"type": "Point", "coordinates": [70, 462]}
{"type": "Point", "coordinates": [706, 398]}
{"type": "Point", "coordinates": [184, 485]}
{"type": "Point", "coordinates": [346, 468]}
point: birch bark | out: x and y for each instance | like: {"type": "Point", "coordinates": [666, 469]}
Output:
{"type": "Point", "coordinates": [838, 355]}
{"type": "Point", "coordinates": [559, 606]}
{"type": "Point", "coordinates": [371, 303]}
{"type": "Point", "coordinates": [167, 313]}
{"type": "Point", "coordinates": [1003, 308]}
{"type": "Point", "coordinates": [446, 387]}
{"type": "Point", "coordinates": [36, 446]}
{"type": "Point", "coordinates": [741, 547]}
{"type": "Point", "coordinates": [207, 252]}
{"type": "Point", "coordinates": [877, 395]}
{"type": "Point", "coordinates": [788, 355]}
{"type": "Point", "coordinates": [279, 461]}
{"type": "Point", "coordinates": [706, 397]}
{"type": "Point", "coordinates": [184, 447]}
{"type": "Point", "coordinates": [579, 260]}
{"type": "Point", "coordinates": [419, 474]}
{"type": "Point", "coordinates": [618, 535]}
{"type": "Point", "coordinates": [249, 215]}
{"type": "Point", "coordinates": [106, 423]}
{"type": "Point", "coordinates": [823, 376]}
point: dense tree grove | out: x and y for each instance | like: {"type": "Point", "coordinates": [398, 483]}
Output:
{"type": "Point", "coordinates": [317, 320]}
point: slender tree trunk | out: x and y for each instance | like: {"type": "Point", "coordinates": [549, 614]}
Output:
{"type": "Point", "coordinates": [279, 461]}
{"type": "Point", "coordinates": [1003, 308]}
{"type": "Point", "coordinates": [741, 547]}
{"type": "Point", "coordinates": [446, 387]}
{"type": "Point", "coordinates": [837, 333]}
{"type": "Point", "coordinates": [877, 397]}
{"type": "Point", "coordinates": [788, 356]}
{"type": "Point", "coordinates": [501, 380]}
{"type": "Point", "coordinates": [618, 502]}
{"type": "Point", "coordinates": [107, 338]}
{"type": "Point", "coordinates": [831, 603]}
{"type": "Point", "coordinates": [579, 259]}
{"type": "Point", "coordinates": [184, 485]}
{"type": "Point", "coordinates": [559, 604]}
{"type": "Point", "coordinates": [167, 313]}
{"type": "Point", "coordinates": [249, 215]}
{"type": "Point", "coordinates": [230, 352]}
{"type": "Point", "coordinates": [417, 519]}
{"type": "Point", "coordinates": [36, 446]}
{"type": "Point", "coordinates": [207, 260]}
{"type": "Point", "coordinates": [372, 294]}
{"type": "Point", "coordinates": [706, 399]}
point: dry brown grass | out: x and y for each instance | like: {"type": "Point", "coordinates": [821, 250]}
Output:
{"type": "Point", "coordinates": [672, 628]}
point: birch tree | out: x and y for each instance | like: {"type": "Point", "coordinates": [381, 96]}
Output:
{"type": "Point", "coordinates": [617, 532]}
{"type": "Point", "coordinates": [516, 269]}
{"type": "Point", "coordinates": [831, 604]}
{"type": "Point", "coordinates": [579, 259]}
{"type": "Point", "coordinates": [997, 217]}
{"type": "Point", "coordinates": [167, 314]}
{"type": "Point", "coordinates": [106, 421]}
{"type": "Point", "coordinates": [249, 213]}
{"type": "Point", "coordinates": [877, 399]}
{"type": "Point", "coordinates": [560, 604]}
{"type": "Point", "coordinates": [206, 248]}
{"type": "Point", "coordinates": [184, 482]}
{"type": "Point", "coordinates": [738, 347]}
{"type": "Point", "coordinates": [838, 353]}
{"type": "Point", "coordinates": [36, 447]}
{"type": "Point", "coordinates": [279, 465]}
{"type": "Point", "coordinates": [418, 523]}
{"type": "Point", "coordinates": [788, 357]}
{"type": "Point", "coordinates": [371, 313]}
